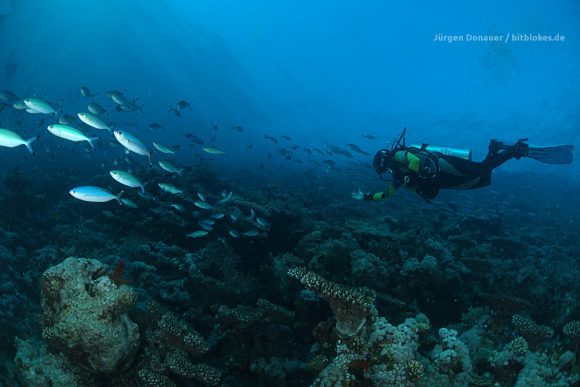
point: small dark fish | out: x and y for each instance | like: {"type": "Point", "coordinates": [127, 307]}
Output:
{"type": "Point", "coordinates": [86, 92]}
{"type": "Point", "coordinates": [175, 111]}
{"type": "Point", "coordinates": [65, 119]}
{"type": "Point", "coordinates": [183, 104]}
{"type": "Point", "coordinates": [155, 126]}
{"type": "Point", "coordinates": [249, 146]}
{"type": "Point", "coordinates": [357, 149]}
{"type": "Point", "coordinates": [284, 152]}
{"type": "Point", "coordinates": [287, 138]}
{"type": "Point", "coordinates": [331, 163]}
{"type": "Point", "coordinates": [338, 151]}
{"type": "Point", "coordinates": [308, 151]}
{"type": "Point", "coordinates": [196, 140]}
{"type": "Point", "coordinates": [7, 96]}
{"type": "Point", "coordinates": [238, 128]}
{"type": "Point", "coordinates": [97, 109]}
{"type": "Point", "coordinates": [114, 93]}
{"type": "Point", "coordinates": [273, 139]}
{"type": "Point", "coordinates": [295, 147]}
{"type": "Point", "coordinates": [214, 127]}
{"type": "Point", "coordinates": [129, 107]}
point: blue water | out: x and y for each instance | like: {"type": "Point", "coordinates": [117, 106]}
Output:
{"type": "Point", "coordinates": [324, 73]}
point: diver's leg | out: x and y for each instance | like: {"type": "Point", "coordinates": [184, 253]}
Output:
{"type": "Point", "coordinates": [459, 173]}
{"type": "Point", "coordinates": [499, 153]}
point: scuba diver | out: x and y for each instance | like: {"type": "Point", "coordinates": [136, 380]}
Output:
{"type": "Point", "coordinates": [425, 169]}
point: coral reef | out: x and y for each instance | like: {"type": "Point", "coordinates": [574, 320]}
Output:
{"type": "Point", "coordinates": [455, 293]}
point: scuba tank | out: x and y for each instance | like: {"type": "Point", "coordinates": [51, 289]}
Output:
{"type": "Point", "coordinates": [444, 150]}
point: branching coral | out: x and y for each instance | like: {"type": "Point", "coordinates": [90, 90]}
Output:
{"type": "Point", "coordinates": [179, 364]}
{"type": "Point", "coordinates": [530, 329]}
{"type": "Point", "coordinates": [572, 329]}
{"type": "Point", "coordinates": [349, 305]}
{"type": "Point", "coordinates": [170, 345]}
{"type": "Point", "coordinates": [182, 336]}
{"type": "Point", "coordinates": [514, 351]}
{"type": "Point", "coordinates": [153, 379]}
{"type": "Point", "coordinates": [243, 316]}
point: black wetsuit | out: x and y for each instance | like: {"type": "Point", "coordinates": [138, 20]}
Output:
{"type": "Point", "coordinates": [425, 172]}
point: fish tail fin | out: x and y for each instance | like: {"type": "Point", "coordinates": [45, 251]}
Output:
{"type": "Point", "coordinates": [91, 139]}
{"type": "Point", "coordinates": [150, 162]}
{"type": "Point", "coordinates": [30, 141]}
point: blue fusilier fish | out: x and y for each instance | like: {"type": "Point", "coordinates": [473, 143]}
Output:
{"type": "Point", "coordinates": [93, 121]}
{"type": "Point", "coordinates": [94, 194]}
{"type": "Point", "coordinates": [10, 139]}
{"type": "Point", "coordinates": [71, 134]}
{"type": "Point", "coordinates": [203, 205]}
{"type": "Point", "coordinates": [132, 143]}
{"type": "Point", "coordinates": [127, 179]}
{"type": "Point", "coordinates": [36, 105]}
{"type": "Point", "coordinates": [197, 234]}
{"type": "Point", "coordinates": [225, 197]}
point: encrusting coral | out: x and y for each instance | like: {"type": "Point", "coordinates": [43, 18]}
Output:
{"type": "Point", "coordinates": [85, 315]}
{"type": "Point", "coordinates": [38, 367]}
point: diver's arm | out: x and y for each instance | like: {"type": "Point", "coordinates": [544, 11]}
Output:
{"type": "Point", "coordinates": [391, 189]}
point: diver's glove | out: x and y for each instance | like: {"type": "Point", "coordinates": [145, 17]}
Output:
{"type": "Point", "coordinates": [358, 195]}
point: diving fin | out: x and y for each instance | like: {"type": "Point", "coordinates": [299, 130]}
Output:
{"type": "Point", "coordinates": [558, 154]}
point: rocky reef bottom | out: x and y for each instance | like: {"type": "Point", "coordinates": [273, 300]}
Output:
{"type": "Point", "coordinates": [477, 289]}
